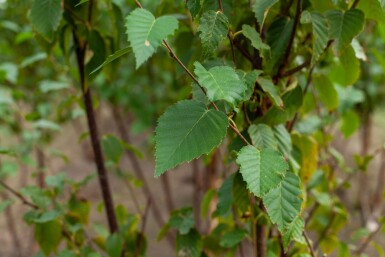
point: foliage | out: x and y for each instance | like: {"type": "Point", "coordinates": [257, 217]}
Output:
{"type": "Point", "coordinates": [254, 91]}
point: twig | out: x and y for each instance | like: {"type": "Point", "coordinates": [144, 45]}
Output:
{"type": "Point", "coordinates": [232, 48]}
{"type": "Point", "coordinates": [144, 223]}
{"type": "Point", "coordinates": [18, 195]}
{"type": "Point", "coordinates": [291, 40]}
{"type": "Point", "coordinates": [167, 191]}
{"type": "Point", "coordinates": [368, 239]}
{"type": "Point", "coordinates": [296, 69]}
{"type": "Point", "coordinates": [308, 244]}
{"type": "Point", "coordinates": [355, 3]}
{"type": "Point", "coordinates": [220, 5]}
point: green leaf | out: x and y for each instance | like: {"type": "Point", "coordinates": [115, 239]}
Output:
{"type": "Point", "coordinates": [221, 83]}
{"type": "Point", "coordinates": [347, 71]}
{"type": "Point", "coordinates": [189, 245]}
{"type": "Point", "coordinates": [112, 58]}
{"type": "Point", "coordinates": [326, 91]}
{"type": "Point", "coordinates": [256, 41]}
{"type": "Point", "coordinates": [206, 201]}
{"type": "Point", "coordinates": [249, 78]}
{"type": "Point", "coordinates": [372, 9]}
{"type": "Point", "coordinates": [48, 85]}
{"type": "Point", "coordinates": [309, 155]}
{"type": "Point", "coordinates": [114, 245]}
{"type": "Point", "coordinates": [225, 197]}
{"type": "Point", "coordinates": [48, 235]}
{"type": "Point", "coordinates": [320, 35]}
{"type": "Point", "coordinates": [262, 136]}
{"type": "Point", "coordinates": [278, 37]}
{"type": "Point", "coordinates": [261, 8]}
{"type": "Point", "coordinates": [112, 148]}
{"type": "Point", "coordinates": [5, 204]}
{"type": "Point", "coordinates": [350, 123]}
{"type": "Point", "coordinates": [81, 2]}
{"type": "Point", "coordinates": [183, 220]}
{"type": "Point", "coordinates": [271, 90]}
{"type": "Point", "coordinates": [145, 33]}
{"type": "Point", "coordinates": [185, 131]}
{"type": "Point", "coordinates": [240, 193]}
{"type": "Point", "coordinates": [233, 237]}
{"type": "Point", "coordinates": [213, 29]}
{"type": "Point", "coordinates": [45, 16]}
{"type": "Point", "coordinates": [194, 6]}
{"type": "Point", "coordinates": [345, 26]}
{"type": "Point", "coordinates": [262, 170]}
{"type": "Point", "coordinates": [283, 203]}
{"type": "Point", "coordinates": [294, 232]}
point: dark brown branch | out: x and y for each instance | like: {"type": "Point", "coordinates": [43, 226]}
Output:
{"type": "Point", "coordinates": [291, 40]}
{"type": "Point", "coordinates": [296, 69]}
{"type": "Point", "coordinates": [80, 50]}
{"type": "Point", "coordinates": [220, 5]}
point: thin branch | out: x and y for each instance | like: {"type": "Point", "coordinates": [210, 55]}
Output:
{"type": "Point", "coordinates": [144, 223]}
{"type": "Point", "coordinates": [309, 245]}
{"type": "Point", "coordinates": [232, 48]}
{"type": "Point", "coordinates": [355, 4]}
{"type": "Point", "coordinates": [18, 195]}
{"type": "Point", "coordinates": [296, 69]}
{"type": "Point", "coordinates": [291, 40]}
{"type": "Point", "coordinates": [220, 5]}
{"type": "Point", "coordinates": [368, 239]}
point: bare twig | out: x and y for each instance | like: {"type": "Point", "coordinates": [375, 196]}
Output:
{"type": "Point", "coordinates": [355, 3]}
{"type": "Point", "coordinates": [144, 223]}
{"type": "Point", "coordinates": [309, 245]}
{"type": "Point", "coordinates": [368, 239]}
{"type": "Point", "coordinates": [18, 195]}
{"type": "Point", "coordinates": [296, 69]}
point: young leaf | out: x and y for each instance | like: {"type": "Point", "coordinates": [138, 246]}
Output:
{"type": "Point", "coordinates": [294, 232]}
{"type": "Point", "coordinates": [233, 237]}
{"type": "Point", "coordinates": [185, 131]}
{"type": "Point", "coordinates": [256, 41]}
{"type": "Point", "coordinates": [213, 29]}
{"type": "Point", "coordinates": [271, 90]}
{"type": "Point", "coordinates": [48, 235]}
{"type": "Point", "coordinates": [261, 8]}
{"type": "Point", "coordinates": [345, 26]}
{"type": "Point", "coordinates": [114, 245]}
{"type": "Point", "coordinates": [326, 91]}
{"type": "Point", "coordinates": [262, 136]}
{"type": "Point", "coordinates": [112, 58]}
{"type": "Point", "coordinates": [372, 9]}
{"type": "Point", "coordinates": [309, 155]}
{"type": "Point", "coordinates": [283, 203]}
{"type": "Point", "coordinates": [45, 16]}
{"type": "Point", "coordinates": [320, 35]}
{"type": "Point", "coordinates": [262, 170]}
{"type": "Point", "coordinates": [194, 6]}
{"type": "Point", "coordinates": [348, 70]}
{"type": "Point", "coordinates": [221, 83]}
{"type": "Point", "coordinates": [145, 33]}
{"type": "Point", "coordinates": [189, 245]}
{"type": "Point", "coordinates": [182, 220]}
{"type": "Point", "coordinates": [225, 197]}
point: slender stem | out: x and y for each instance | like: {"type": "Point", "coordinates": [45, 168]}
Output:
{"type": "Point", "coordinates": [18, 195]}
{"type": "Point", "coordinates": [144, 223]}
{"type": "Point", "coordinates": [355, 3]}
{"type": "Point", "coordinates": [80, 50]}
{"type": "Point", "coordinates": [291, 40]}
{"type": "Point", "coordinates": [220, 5]}
{"type": "Point", "coordinates": [139, 172]}
{"type": "Point", "coordinates": [232, 48]}
{"type": "Point", "coordinates": [309, 245]}
{"type": "Point", "coordinates": [166, 188]}
{"type": "Point", "coordinates": [368, 239]}
{"type": "Point", "coordinates": [296, 69]}
{"type": "Point", "coordinates": [9, 216]}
